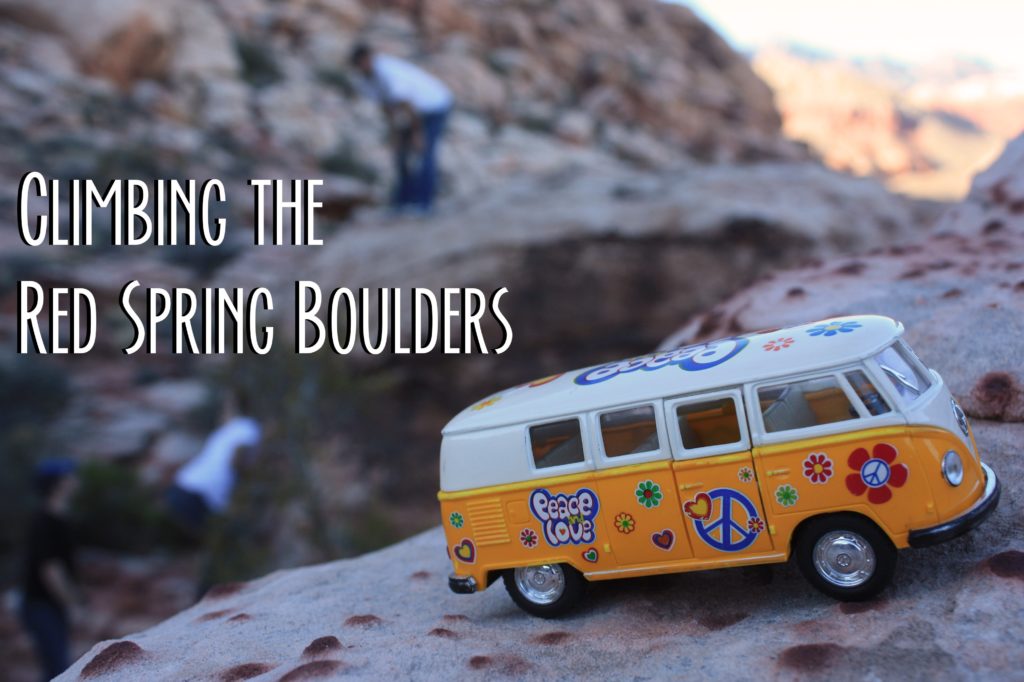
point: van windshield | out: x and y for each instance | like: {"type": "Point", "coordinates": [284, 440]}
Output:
{"type": "Point", "coordinates": [897, 365]}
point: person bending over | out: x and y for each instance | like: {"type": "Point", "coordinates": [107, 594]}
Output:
{"type": "Point", "coordinates": [416, 105]}
{"type": "Point", "coordinates": [204, 485]}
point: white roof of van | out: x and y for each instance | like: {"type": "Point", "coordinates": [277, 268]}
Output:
{"type": "Point", "coordinates": [701, 367]}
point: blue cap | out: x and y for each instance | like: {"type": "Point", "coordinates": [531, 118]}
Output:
{"type": "Point", "coordinates": [55, 466]}
{"type": "Point", "coordinates": [48, 471]}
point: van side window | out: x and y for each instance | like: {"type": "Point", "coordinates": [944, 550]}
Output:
{"type": "Point", "coordinates": [707, 423]}
{"type": "Point", "coordinates": [908, 381]}
{"type": "Point", "coordinates": [805, 403]}
{"type": "Point", "coordinates": [867, 393]}
{"type": "Point", "coordinates": [629, 431]}
{"type": "Point", "coordinates": [556, 444]}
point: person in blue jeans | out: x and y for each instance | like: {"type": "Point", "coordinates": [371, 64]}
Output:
{"type": "Point", "coordinates": [416, 105]}
{"type": "Point", "coordinates": [49, 589]}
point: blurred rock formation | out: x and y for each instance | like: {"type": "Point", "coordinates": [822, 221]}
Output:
{"type": "Point", "coordinates": [923, 130]}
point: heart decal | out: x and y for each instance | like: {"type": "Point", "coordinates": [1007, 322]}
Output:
{"type": "Point", "coordinates": [465, 551]}
{"type": "Point", "coordinates": [590, 555]}
{"type": "Point", "coordinates": [699, 508]}
{"type": "Point", "coordinates": [664, 540]}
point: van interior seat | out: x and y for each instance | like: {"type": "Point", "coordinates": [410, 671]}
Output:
{"type": "Point", "coordinates": [559, 450]}
{"type": "Point", "coordinates": [630, 438]}
{"type": "Point", "coordinates": [789, 411]}
{"type": "Point", "coordinates": [714, 426]}
{"type": "Point", "coordinates": [829, 405]}
{"type": "Point", "coordinates": [818, 401]}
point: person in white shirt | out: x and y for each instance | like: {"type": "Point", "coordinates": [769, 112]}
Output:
{"type": "Point", "coordinates": [416, 105]}
{"type": "Point", "coordinates": [204, 485]}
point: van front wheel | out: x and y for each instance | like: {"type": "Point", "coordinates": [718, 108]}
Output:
{"type": "Point", "coordinates": [547, 590]}
{"type": "Point", "coordinates": [845, 556]}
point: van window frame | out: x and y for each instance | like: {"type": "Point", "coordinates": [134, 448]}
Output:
{"type": "Point", "coordinates": [603, 461]}
{"type": "Point", "coordinates": [680, 453]}
{"type": "Point", "coordinates": [864, 419]}
{"type": "Point", "coordinates": [881, 383]}
{"type": "Point", "coordinates": [561, 469]}
{"type": "Point", "coordinates": [884, 386]}
{"type": "Point", "coordinates": [908, 355]}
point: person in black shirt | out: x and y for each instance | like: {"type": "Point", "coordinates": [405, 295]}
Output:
{"type": "Point", "coordinates": [49, 590]}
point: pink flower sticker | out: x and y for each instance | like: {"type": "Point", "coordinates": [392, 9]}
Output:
{"type": "Point", "coordinates": [818, 467]}
{"type": "Point", "coordinates": [528, 537]}
{"type": "Point", "coordinates": [779, 343]}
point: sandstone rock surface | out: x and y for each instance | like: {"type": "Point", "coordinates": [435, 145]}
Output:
{"type": "Point", "coordinates": [954, 612]}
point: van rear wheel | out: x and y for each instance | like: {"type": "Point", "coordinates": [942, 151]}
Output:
{"type": "Point", "coordinates": [547, 590]}
{"type": "Point", "coordinates": [845, 556]}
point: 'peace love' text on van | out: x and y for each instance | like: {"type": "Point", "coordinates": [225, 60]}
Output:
{"type": "Point", "coordinates": [564, 518]}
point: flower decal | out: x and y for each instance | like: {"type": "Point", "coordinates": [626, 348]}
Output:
{"type": "Point", "coordinates": [786, 495]}
{"type": "Point", "coordinates": [648, 493]}
{"type": "Point", "coordinates": [876, 474]}
{"type": "Point", "coordinates": [625, 523]}
{"type": "Point", "coordinates": [745, 474]}
{"type": "Point", "coordinates": [486, 403]}
{"type": "Point", "coordinates": [455, 518]}
{"type": "Point", "coordinates": [779, 343]}
{"type": "Point", "coordinates": [833, 328]}
{"type": "Point", "coordinates": [818, 467]}
{"type": "Point", "coordinates": [755, 524]}
{"type": "Point", "coordinates": [528, 537]}
{"type": "Point", "coordinates": [545, 380]}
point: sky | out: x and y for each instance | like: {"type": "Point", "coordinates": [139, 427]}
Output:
{"type": "Point", "coordinates": [911, 31]}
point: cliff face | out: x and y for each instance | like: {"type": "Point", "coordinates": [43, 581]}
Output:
{"type": "Point", "coordinates": [226, 87]}
{"type": "Point", "coordinates": [924, 130]}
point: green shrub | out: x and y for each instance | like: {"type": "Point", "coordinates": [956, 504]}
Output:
{"type": "Point", "coordinates": [337, 78]}
{"type": "Point", "coordinates": [345, 161]}
{"type": "Point", "coordinates": [259, 68]}
{"type": "Point", "coordinates": [114, 510]}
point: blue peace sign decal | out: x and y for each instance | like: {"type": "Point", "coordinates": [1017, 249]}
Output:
{"type": "Point", "coordinates": [731, 501]}
{"type": "Point", "coordinates": [875, 472]}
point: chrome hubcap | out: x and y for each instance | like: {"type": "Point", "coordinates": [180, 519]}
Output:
{"type": "Point", "coordinates": [844, 558]}
{"type": "Point", "coordinates": [541, 584]}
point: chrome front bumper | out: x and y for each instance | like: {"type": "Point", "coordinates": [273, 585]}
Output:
{"type": "Point", "coordinates": [980, 511]}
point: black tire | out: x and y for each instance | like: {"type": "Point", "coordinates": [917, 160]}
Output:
{"type": "Point", "coordinates": [574, 589]}
{"type": "Point", "coordinates": [862, 530]}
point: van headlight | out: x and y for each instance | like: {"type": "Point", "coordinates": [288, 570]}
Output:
{"type": "Point", "coordinates": [952, 468]}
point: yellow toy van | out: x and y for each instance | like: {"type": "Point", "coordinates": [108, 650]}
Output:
{"type": "Point", "coordinates": [830, 441]}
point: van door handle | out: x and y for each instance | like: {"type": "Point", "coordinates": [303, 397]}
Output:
{"type": "Point", "coordinates": [777, 472]}
{"type": "Point", "coordinates": [688, 486]}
